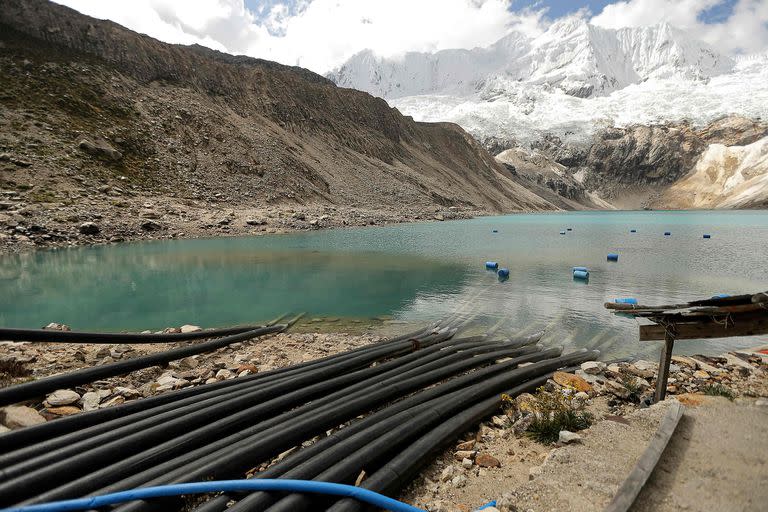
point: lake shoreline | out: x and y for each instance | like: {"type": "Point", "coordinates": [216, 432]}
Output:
{"type": "Point", "coordinates": [162, 218]}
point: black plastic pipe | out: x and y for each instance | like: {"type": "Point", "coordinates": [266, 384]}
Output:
{"type": "Point", "coordinates": [269, 398]}
{"type": "Point", "coordinates": [425, 418]}
{"type": "Point", "coordinates": [241, 453]}
{"type": "Point", "coordinates": [51, 336]}
{"type": "Point", "coordinates": [29, 390]}
{"type": "Point", "coordinates": [37, 433]}
{"type": "Point", "coordinates": [181, 445]}
{"type": "Point", "coordinates": [398, 472]}
{"type": "Point", "coordinates": [81, 457]}
{"type": "Point", "coordinates": [362, 447]}
{"type": "Point", "coordinates": [246, 384]}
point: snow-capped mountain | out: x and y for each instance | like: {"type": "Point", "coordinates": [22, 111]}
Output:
{"type": "Point", "coordinates": [569, 81]}
{"type": "Point", "coordinates": [579, 58]}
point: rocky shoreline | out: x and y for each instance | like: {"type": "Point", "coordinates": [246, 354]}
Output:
{"type": "Point", "coordinates": [500, 460]}
{"type": "Point", "coordinates": [115, 215]}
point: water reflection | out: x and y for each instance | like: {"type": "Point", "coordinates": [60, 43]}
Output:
{"type": "Point", "coordinates": [418, 272]}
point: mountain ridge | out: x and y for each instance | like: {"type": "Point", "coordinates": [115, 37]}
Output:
{"type": "Point", "coordinates": [148, 139]}
{"type": "Point", "coordinates": [573, 55]}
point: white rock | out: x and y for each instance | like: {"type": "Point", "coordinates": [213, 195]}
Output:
{"type": "Point", "coordinates": [167, 379]}
{"type": "Point", "coordinates": [593, 367]}
{"type": "Point", "coordinates": [567, 436]}
{"type": "Point", "coordinates": [761, 402]}
{"type": "Point", "coordinates": [224, 374]}
{"type": "Point", "coordinates": [62, 397]}
{"type": "Point", "coordinates": [190, 328]}
{"type": "Point", "coordinates": [447, 474]}
{"type": "Point", "coordinates": [466, 463]}
{"type": "Point", "coordinates": [581, 395]}
{"type": "Point", "coordinates": [126, 392]}
{"type": "Point", "coordinates": [90, 400]}
{"type": "Point", "coordinates": [53, 326]}
{"type": "Point", "coordinates": [459, 481]}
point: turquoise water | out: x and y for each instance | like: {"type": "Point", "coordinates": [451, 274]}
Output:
{"type": "Point", "coordinates": [416, 272]}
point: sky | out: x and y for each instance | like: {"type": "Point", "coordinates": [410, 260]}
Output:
{"type": "Point", "coordinates": [322, 34]}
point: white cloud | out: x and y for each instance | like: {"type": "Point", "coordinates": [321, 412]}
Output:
{"type": "Point", "coordinates": [322, 34]}
{"type": "Point", "coordinates": [745, 31]}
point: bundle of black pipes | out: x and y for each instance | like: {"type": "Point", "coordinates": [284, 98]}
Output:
{"type": "Point", "coordinates": [416, 393]}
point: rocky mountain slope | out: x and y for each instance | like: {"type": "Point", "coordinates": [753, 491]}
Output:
{"type": "Point", "coordinates": [671, 165]}
{"type": "Point", "coordinates": [626, 113]}
{"type": "Point", "coordinates": [103, 125]}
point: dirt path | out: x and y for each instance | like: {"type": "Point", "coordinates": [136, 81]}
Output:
{"type": "Point", "coordinates": [717, 460]}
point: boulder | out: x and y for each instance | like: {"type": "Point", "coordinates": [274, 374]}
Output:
{"type": "Point", "coordinates": [190, 328]}
{"type": "Point", "coordinates": [19, 416]}
{"type": "Point", "coordinates": [62, 397]}
{"type": "Point", "coordinates": [486, 460]}
{"type": "Point", "coordinates": [593, 367]}
{"type": "Point", "coordinates": [99, 148]}
{"type": "Point", "coordinates": [567, 437]}
{"type": "Point", "coordinates": [573, 381]}
{"type": "Point", "coordinates": [89, 228]}
{"type": "Point", "coordinates": [90, 400]}
{"type": "Point", "coordinates": [642, 368]}
{"type": "Point", "coordinates": [150, 225]}
{"type": "Point", "coordinates": [64, 410]}
{"type": "Point", "coordinates": [53, 326]}
{"type": "Point", "coordinates": [464, 454]}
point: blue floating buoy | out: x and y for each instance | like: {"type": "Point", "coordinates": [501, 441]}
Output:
{"type": "Point", "coordinates": [612, 256]}
{"type": "Point", "coordinates": [491, 265]}
{"type": "Point", "coordinates": [628, 300]}
{"type": "Point", "coordinates": [721, 296]}
{"type": "Point", "coordinates": [503, 273]}
{"type": "Point", "coordinates": [633, 231]}
{"type": "Point", "coordinates": [562, 232]}
{"type": "Point", "coordinates": [667, 233]}
{"type": "Point", "coordinates": [581, 274]}
{"type": "Point", "coordinates": [494, 231]}
{"type": "Point", "coordinates": [580, 269]}
{"type": "Point", "coordinates": [707, 236]}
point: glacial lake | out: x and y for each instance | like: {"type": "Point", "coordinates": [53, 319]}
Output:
{"type": "Point", "coordinates": [408, 274]}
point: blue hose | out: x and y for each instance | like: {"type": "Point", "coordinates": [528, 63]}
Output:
{"type": "Point", "coordinates": [350, 491]}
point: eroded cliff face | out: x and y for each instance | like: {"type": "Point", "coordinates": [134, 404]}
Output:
{"type": "Point", "coordinates": [634, 167]}
{"type": "Point", "coordinates": [724, 177]}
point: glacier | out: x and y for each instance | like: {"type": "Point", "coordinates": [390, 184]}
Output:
{"type": "Point", "coordinates": [571, 80]}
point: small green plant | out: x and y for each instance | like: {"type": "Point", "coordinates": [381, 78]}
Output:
{"type": "Point", "coordinates": [719, 390]}
{"type": "Point", "coordinates": [553, 412]}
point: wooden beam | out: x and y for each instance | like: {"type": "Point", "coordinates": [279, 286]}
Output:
{"type": "Point", "coordinates": [665, 358]}
{"type": "Point", "coordinates": [639, 475]}
{"type": "Point", "coordinates": [735, 326]}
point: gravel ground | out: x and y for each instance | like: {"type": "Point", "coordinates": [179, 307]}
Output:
{"type": "Point", "coordinates": [717, 460]}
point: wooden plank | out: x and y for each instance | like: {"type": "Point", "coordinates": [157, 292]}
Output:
{"type": "Point", "coordinates": [664, 359]}
{"type": "Point", "coordinates": [639, 475]}
{"type": "Point", "coordinates": [695, 311]}
{"type": "Point", "coordinates": [736, 326]}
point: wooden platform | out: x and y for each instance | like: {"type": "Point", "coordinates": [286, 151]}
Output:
{"type": "Point", "coordinates": [717, 317]}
